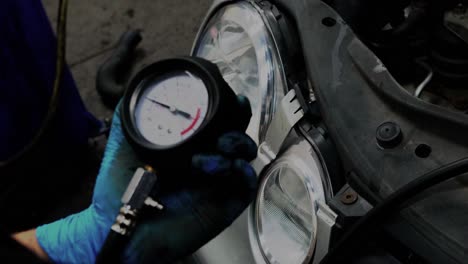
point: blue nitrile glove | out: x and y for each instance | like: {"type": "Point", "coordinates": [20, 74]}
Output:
{"type": "Point", "coordinates": [223, 185]}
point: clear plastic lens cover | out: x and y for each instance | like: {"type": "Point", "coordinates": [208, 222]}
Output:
{"type": "Point", "coordinates": [286, 218]}
{"type": "Point", "coordinates": [237, 40]}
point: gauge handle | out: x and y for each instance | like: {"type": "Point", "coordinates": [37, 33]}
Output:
{"type": "Point", "coordinates": [135, 198]}
{"type": "Point", "coordinates": [113, 249]}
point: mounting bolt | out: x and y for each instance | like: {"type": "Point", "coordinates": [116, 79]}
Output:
{"type": "Point", "coordinates": [389, 135]}
{"type": "Point", "coordinates": [349, 197]}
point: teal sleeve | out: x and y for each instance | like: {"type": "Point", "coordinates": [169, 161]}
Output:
{"type": "Point", "coordinates": [74, 239]}
{"type": "Point", "coordinates": [79, 237]}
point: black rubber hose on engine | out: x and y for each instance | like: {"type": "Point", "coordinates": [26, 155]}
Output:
{"type": "Point", "coordinates": [362, 229]}
{"type": "Point", "coordinates": [110, 80]}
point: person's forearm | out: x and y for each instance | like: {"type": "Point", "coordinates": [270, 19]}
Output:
{"type": "Point", "coordinates": [28, 240]}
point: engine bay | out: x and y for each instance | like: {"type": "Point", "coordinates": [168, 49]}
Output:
{"type": "Point", "coordinates": [424, 44]}
{"type": "Point", "coordinates": [374, 63]}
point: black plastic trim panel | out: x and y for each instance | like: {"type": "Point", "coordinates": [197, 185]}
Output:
{"type": "Point", "coordinates": [356, 94]}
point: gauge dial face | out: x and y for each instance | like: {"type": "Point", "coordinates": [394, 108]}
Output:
{"type": "Point", "coordinates": [171, 109]}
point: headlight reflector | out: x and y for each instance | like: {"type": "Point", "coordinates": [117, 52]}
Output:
{"type": "Point", "coordinates": [285, 214]}
{"type": "Point", "coordinates": [239, 41]}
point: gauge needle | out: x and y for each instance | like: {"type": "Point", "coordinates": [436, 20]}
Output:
{"type": "Point", "coordinates": [173, 109]}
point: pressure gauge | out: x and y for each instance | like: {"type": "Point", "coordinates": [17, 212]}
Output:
{"type": "Point", "coordinates": [172, 108]}
{"type": "Point", "coordinates": [177, 107]}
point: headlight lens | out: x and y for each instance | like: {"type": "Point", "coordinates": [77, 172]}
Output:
{"type": "Point", "coordinates": [239, 41]}
{"type": "Point", "coordinates": [285, 212]}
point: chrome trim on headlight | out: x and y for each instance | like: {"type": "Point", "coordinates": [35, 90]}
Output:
{"type": "Point", "coordinates": [288, 114]}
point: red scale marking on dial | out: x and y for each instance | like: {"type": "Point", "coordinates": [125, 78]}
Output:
{"type": "Point", "coordinates": [195, 120]}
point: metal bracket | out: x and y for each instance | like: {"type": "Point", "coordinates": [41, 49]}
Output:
{"type": "Point", "coordinates": [286, 117]}
{"type": "Point", "coordinates": [326, 220]}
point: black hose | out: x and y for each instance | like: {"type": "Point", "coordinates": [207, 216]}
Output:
{"type": "Point", "coordinates": [110, 80]}
{"type": "Point", "coordinates": [54, 98]}
{"type": "Point", "coordinates": [362, 229]}
{"type": "Point", "coordinates": [113, 249]}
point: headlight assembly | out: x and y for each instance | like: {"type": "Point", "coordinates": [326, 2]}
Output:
{"type": "Point", "coordinates": [237, 38]}
{"type": "Point", "coordinates": [285, 218]}
{"type": "Point", "coordinates": [284, 226]}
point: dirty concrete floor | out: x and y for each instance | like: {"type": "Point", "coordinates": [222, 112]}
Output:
{"type": "Point", "coordinates": [168, 28]}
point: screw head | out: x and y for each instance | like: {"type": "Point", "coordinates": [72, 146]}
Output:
{"type": "Point", "coordinates": [349, 197]}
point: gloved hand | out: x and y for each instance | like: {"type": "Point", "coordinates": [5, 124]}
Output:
{"type": "Point", "coordinates": [195, 212]}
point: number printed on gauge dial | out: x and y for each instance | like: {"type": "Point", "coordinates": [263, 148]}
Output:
{"type": "Point", "coordinates": [171, 109]}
